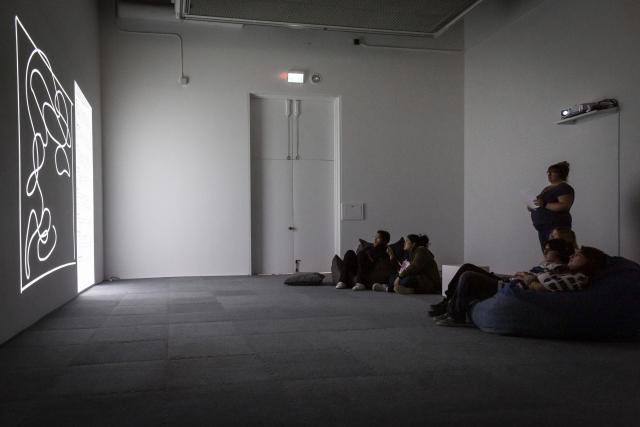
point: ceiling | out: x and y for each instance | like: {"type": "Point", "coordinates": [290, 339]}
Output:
{"type": "Point", "coordinates": [413, 17]}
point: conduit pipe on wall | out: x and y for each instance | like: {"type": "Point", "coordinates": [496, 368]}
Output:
{"type": "Point", "coordinates": [153, 13]}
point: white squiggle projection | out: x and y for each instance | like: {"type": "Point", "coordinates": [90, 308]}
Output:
{"type": "Point", "coordinates": [49, 112]}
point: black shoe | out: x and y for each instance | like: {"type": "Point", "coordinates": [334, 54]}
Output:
{"type": "Point", "coordinates": [438, 311]}
{"type": "Point", "coordinates": [442, 316]}
{"type": "Point", "coordinates": [450, 321]}
{"type": "Point", "coordinates": [442, 303]}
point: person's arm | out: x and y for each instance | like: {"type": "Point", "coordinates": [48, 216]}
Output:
{"type": "Point", "coordinates": [563, 282]}
{"type": "Point", "coordinates": [536, 286]}
{"type": "Point", "coordinates": [416, 266]}
{"type": "Point", "coordinates": [392, 257]}
{"type": "Point", "coordinates": [562, 205]}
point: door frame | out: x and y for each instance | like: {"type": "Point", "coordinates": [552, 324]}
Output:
{"type": "Point", "coordinates": [337, 155]}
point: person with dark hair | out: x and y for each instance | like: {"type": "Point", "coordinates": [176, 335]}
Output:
{"type": "Point", "coordinates": [553, 203]}
{"type": "Point", "coordinates": [583, 264]}
{"type": "Point", "coordinates": [557, 254]}
{"type": "Point", "coordinates": [354, 269]}
{"type": "Point", "coordinates": [565, 233]}
{"type": "Point", "coordinates": [418, 273]}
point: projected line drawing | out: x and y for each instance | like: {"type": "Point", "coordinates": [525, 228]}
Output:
{"type": "Point", "coordinates": [45, 146]}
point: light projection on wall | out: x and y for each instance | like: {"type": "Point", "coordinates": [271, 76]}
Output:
{"type": "Point", "coordinates": [45, 146]}
{"type": "Point", "coordinates": [84, 189]}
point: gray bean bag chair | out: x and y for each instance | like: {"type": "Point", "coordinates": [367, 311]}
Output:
{"type": "Point", "coordinates": [610, 308]}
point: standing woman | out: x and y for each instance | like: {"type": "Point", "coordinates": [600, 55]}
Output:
{"type": "Point", "coordinates": [553, 203]}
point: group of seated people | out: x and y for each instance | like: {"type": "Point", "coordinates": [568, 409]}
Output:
{"type": "Point", "coordinates": [566, 267]}
{"type": "Point", "coordinates": [382, 268]}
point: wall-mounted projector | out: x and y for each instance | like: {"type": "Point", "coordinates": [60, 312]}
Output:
{"type": "Point", "coordinates": [587, 107]}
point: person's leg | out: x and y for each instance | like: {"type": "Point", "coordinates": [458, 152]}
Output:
{"type": "Point", "coordinates": [337, 265]}
{"type": "Point", "coordinates": [406, 285]}
{"type": "Point", "coordinates": [350, 266]}
{"type": "Point", "coordinates": [346, 269]}
{"type": "Point", "coordinates": [441, 307]}
{"type": "Point", "coordinates": [472, 286]}
{"type": "Point", "coordinates": [385, 287]}
{"type": "Point", "coordinates": [451, 287]}
{"type": "Point", "coordinates": [363, 270]}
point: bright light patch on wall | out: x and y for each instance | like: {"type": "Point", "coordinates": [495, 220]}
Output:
{"type": "Point", "coordinates": [46, 207]}
{"type": "Point", "coordinates": [84, 190]}
{"type": "Point", "coordinates": [295, 77]}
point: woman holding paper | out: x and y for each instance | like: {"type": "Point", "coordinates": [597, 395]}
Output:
{"type": "Point", "coordinates": [553, 203]}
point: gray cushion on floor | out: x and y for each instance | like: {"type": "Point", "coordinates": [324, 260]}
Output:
{"type": "Point", "coordinates": [305, 279]}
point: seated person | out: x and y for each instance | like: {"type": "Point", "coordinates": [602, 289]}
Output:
{"type": "Point", "coordinates": [354, 270]}
{"type": "Point", "coordinates": [564, 233]}
{"type": "Point", "coordinates": [556, 256]}
{"type": "Point", "coordinates": [474, 287]}
{"type": "Point", "coordinates": [418, 273]}
{"type": "Point", "coordinates": [556, 251]}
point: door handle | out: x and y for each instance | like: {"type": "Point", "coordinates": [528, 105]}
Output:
{"type": "Point", "coordinates": [298, 266]}
{"type": "Point", "coordinates": [292, 228]}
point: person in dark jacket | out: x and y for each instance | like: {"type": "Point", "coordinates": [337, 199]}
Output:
{"type": "Point", "coordinates": [355, 269]}
{"type": "Point", "coordinates": [553, 203]}
{"type": "Point", "coordinates": [419, 272]}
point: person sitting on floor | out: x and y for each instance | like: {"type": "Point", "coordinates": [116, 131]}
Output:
{"type": "Point", "coordinates": [418, 273]}
{"type": "Point", "coordinates": [474, 287]}
{"type": "Point", "coordinates": [354, 270]}
{"type": "Point", "coordinates": [556, 253]}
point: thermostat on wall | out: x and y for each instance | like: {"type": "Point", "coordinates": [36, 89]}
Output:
{"type": "Point", "coordinates": [352, 211]}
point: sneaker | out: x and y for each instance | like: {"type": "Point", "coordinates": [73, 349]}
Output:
{"type": "Point", "coordinates": [442, 303]}
{"type": "Point", "coordinates": [441, 317]}
{"type": "Point", "coordinates": [403, 290]}
{"type": "Point", "coordinates": [450, 321]}
{"type": "Point", "coordinates": [436, 312]}
{"type": "Point", "coordinates": [380, 287]}
{"type": "Point", "coordinates": [358, 287]}
{"type": "Point", "coordinates": [341, 285]}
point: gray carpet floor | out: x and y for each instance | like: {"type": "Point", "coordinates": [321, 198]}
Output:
{"type": "Point", "coordinates": [252, 352]}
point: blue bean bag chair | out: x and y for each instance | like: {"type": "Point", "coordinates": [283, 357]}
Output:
{"type": "Point", "coordinates": [610, 308]}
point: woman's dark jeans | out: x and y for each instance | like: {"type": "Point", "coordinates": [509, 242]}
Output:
{"type": "Point", "coordinates": [472, 287]}
{"type": "Point", "coordinates": [453, 284]}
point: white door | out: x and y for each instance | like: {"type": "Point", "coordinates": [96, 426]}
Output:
{"type": "Point", "coordinates": [314, 129]}
{"type": "Point", "coordinates": [270, 133]}
{"type": "Point", "coordinates": [271, 217]}
{"type": "Point", "coordinates": [292, 185]}
{"type": "Point", "coordinates": [313, 213]}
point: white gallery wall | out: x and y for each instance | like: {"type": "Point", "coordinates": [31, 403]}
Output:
{"type": "Point", "coordinates": [69, 38]}
{"type": "Point", "coordinates": [177, 160]}
{"type": "Point", "coordinates": [524, 62]}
